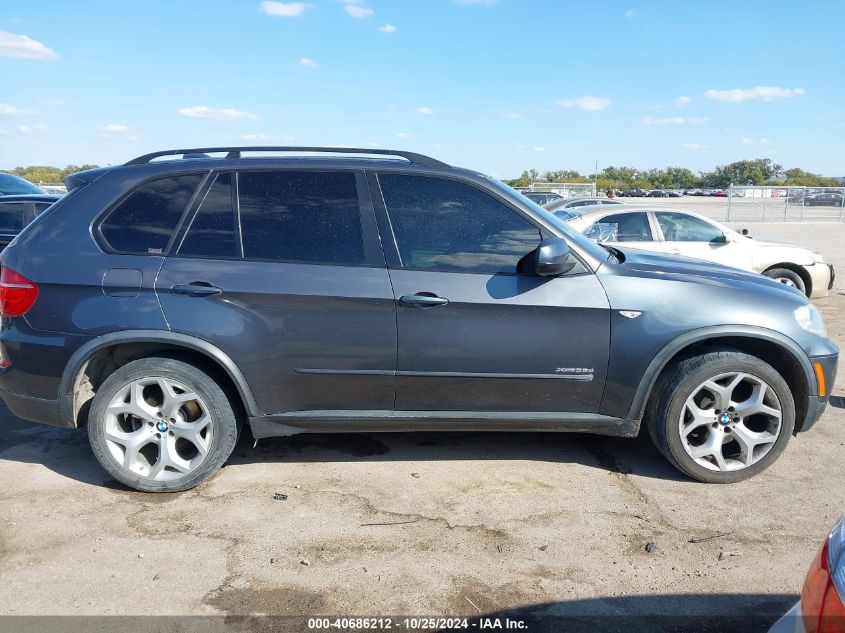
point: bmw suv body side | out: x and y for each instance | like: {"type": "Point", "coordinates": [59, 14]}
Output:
{"type": "Point", "coordinates": [165, 303]}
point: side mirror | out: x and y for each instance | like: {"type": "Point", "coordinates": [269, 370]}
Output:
{"type": "Point", "coordinates": [552, 258]}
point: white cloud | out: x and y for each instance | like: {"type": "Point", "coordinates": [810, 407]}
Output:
{"type": "Point", "coordinates": [766, 93]}
{"type": "Point", "coordinates": [694, 146]}
{"type": "Point", "coordinates": [114, 128]}
{"type": "Point", "coordinates": [23, 47]}
{"type": "Point", "coordinates": [697, 120]}
{"type": "Point", "coordinates": [357, 11]}
{"type": "Point", "coordinates": [307, 61]}
{"type": "Point", "coordinates": [425, 111]}
{"type": "Point", "coordinates": [630, 13]}
{"type": "Point", "coordinates": [32, 129]}
{"type": "Point", "coordinates": [512, 115]}
{"type": "Point", "coordinates": [7, 109]}
{"type": "Point", "coordinates": [747, 141]}
{"type": "Point", "coordinates": [682, 101]}
{"type": "Point", "coordinates": [750, 141]}
{"type": "Point", "coordinates": [387, 28]}
{"type": "Point", "coordinates": [538, 148]}
{"type": "Point", "coordinates": [588, 103]}
{"type": "Point", "coordinates": [403, 135]}
{"type": "Point", "coordinates": [254, 137]}
{"type": "Point", "coordinates": [519, 148]}
{"type": "Point", "coordinates": [764, 141]}
{"type": "Point", "coordinates": [204, 112]}
{"type": "Point", "coordinates": [284, 9]}
{"type": "Point", "coordinates": [672, 120]}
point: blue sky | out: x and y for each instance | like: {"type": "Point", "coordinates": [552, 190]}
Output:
{"type": "Point", "coordinates": [499, 86]}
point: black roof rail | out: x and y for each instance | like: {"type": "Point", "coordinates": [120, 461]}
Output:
{"type": "Point", "coordinates": [235, 152]}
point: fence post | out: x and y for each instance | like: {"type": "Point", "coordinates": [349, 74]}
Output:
{"type": "Point", "coordinates": [803, 199]}
{"type": "Point", "coordinates": [730, 196]}
{"type": "Point", "coordinates": [842, 205]}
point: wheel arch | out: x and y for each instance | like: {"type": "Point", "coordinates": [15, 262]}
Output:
{"type": "Point", "coordinates": [778, 350]}
{"type": "Point", "coordinates": [92, 363]}
{"type": "Point", "coordinates": [798, 270]}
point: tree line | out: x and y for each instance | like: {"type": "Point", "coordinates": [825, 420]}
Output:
{"type": "Point", "coordinates": [46, 174]}
{"type": "Point", "coordinates": [759, 171]}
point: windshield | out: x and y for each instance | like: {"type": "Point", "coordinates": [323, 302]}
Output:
{"type": "Point", "coordinates": [12, 185]}
{"type": "Point", "coordinates": [586, 245]}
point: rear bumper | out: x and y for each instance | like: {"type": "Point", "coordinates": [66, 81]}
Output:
{"type": "Point", "coordinates": [35, 409]}
{"type": "Point", "coordinates": [791, 622]}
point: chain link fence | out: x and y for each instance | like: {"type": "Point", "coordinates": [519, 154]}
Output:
{"type": "Point", "coordinates": [565, 189]}
{"type": "Point", "coordinates": [785, 204]}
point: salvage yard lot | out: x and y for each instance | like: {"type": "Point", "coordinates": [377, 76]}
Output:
{"type": "Point", "coordinates": [423, 523]}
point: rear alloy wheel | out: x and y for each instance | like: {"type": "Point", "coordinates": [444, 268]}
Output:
{"type": "Point", "coordinates": [161, 425]}
{"type": "Point", "coordinates": [787, 277]}
{"type": "Point", "coordinates": [722, 417]}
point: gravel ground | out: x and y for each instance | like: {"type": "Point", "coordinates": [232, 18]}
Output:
{"type": "Point", "coordinates": [452, 524]}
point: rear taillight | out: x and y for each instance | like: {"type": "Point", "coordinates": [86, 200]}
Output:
{"type": "Point", "coordinates": [17, 293]}
{"type": "Point", "coordinates": [821, 598]}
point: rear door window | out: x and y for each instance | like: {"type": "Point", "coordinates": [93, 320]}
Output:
{"type": "Point", "coordinates": [144, 222]}
{"type": "Point", "coordinates": [213, 230]}
{"type": "Point", "coordinates": [301, 216]}
{"type": "Point", "coordinates": [679, 227]}
{"type": "Point", "coordinates": [11, 216]}
{"type": "Point", "coordinates": [621, 227]}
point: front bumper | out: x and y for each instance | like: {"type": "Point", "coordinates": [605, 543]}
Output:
{"type": "Point", "coordinates": [821, 279]}
{"type": "Point", "coordinates": [816, 402]}
{"type": "Point", "coordinates": [791, 622]}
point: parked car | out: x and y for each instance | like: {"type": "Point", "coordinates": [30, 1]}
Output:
{"type": "Point", "coordinates": [719, 193]}
{"type": "Point", "coordinates": [658, 193]}
{"type": "Point", "coordinates": [685, 233]}
{"type": "Point", "coordinates": [542, 197]}
{"type": "Point", "coordinates": [19, 210]}
{"type": "Point", "coordinates": [823, 200]}
{"type": "Point", "coordinates": [12, 185]}
{"type": "Point", "coordinates": [572, 203]}
{"type": "Point", "coordinates": [821, 608]}
{"type": "Point", "coordinates": [674, 193]}
{"type": "Point", "coordinates": [172, 301]}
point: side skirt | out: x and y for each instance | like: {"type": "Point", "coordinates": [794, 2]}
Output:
{"type": "Point", "coordinates": [391, 421]}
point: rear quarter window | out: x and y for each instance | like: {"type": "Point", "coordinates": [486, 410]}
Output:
{"type": "Point", "coordinates": [11, 216]}
{"type": "Point", "coordinates": [144, 221]}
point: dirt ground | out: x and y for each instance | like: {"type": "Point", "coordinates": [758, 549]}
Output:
{"type": "Point", "coordinates": [423, 524]}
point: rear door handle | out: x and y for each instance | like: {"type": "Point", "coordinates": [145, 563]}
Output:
{"type": "Point", "coordinates": [423, 300]}
{"type": "Point", "coordinates": [196, 289]}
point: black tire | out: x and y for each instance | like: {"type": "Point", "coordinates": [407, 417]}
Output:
{"type": "Point", "coordinates": [678, 383]}
{"type": "Point", "coordinates": [784, 275]}
{"type": "Point", "coordinates": [224, 424]}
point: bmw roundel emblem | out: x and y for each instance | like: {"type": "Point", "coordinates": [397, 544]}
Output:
{"type": "Point", "coordinates": [725, 418]}
{"type": "Point", "coordinates": [162, 426]}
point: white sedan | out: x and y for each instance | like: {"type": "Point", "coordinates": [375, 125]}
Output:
{"type": "Point", "coordinates": [679, 232]}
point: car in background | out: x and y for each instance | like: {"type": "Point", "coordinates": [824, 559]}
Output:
{"type": "Point", "coordinates": [827, 199]}
{"type": "Point", "coordinates": [635, 193]}
{"type": "Point", "coordinates": [674, 193]}
{"type": "Point", "coordinates": [13, 185]}
{"type": "Point", "coordinates": [821, 608]}
{"type": "Point", "coordinates": [658, 193]}
{"type": "Point", "coordinates": [719, 193]}
{"type": "Point", "coordinates": [19, 210]}
{"type": "Point", "coordinates": [542, 197]}
{"type": "Point", "coordinates": [574, 203]}
{"type": "Point", "coordinates": [678, 232]}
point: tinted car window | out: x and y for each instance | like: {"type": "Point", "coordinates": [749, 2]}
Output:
{"type": "Point", "coordinates": [212, 231]}
{"type": "Point", "coordinates": [301, 216]}
{"type": "Point", "coordinates": [12, 185]}
{"type": "Point", "coordinates": [11, 216]}
{"type": "Point", "coordinates": [145, 221]}
{"type": "Point", "coordinates": [40, 207]}
{"type": "Point", "coordinates": [622, 227]}
{"type": "Point", "coordinates": [446, 225]}
{"type": "Point", "coordinates": [679, 227]}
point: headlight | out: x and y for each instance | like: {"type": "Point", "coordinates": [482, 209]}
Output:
{"type": "Point", "coordinates": [808, 318]}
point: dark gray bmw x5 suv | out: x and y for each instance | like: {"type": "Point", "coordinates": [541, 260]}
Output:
{"type": "Point", "coordinates": [165, 302]}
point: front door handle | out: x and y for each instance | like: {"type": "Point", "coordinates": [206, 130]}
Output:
{"type": "Point", "coordinates": [423, 300]}
{"type": "Point", "coordinates": [196, 289]}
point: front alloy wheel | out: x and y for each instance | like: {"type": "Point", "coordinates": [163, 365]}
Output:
{"type": "Point", "coordinates": [730, 422]}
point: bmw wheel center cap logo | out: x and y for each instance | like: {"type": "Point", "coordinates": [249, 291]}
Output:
{"type": "Point", "coordinates": [162, 426]}
{"type": "Point", "coordinates": [725, 418]}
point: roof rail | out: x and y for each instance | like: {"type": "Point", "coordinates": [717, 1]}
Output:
{"type": "Point", "coordinates": [235, 152]}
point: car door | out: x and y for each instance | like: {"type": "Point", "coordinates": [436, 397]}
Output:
{"type": "Point", "coordinates": [689, 235]}
{"type": "Point", "coordinates": [627, 228]}
{"type": "Point", "coordinates": [475, 332]}
{"type": "Point", "coordinates": [281, 269]}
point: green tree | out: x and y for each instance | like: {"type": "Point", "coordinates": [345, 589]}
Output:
{"type": "Point", "coordinates": [742, 172]}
